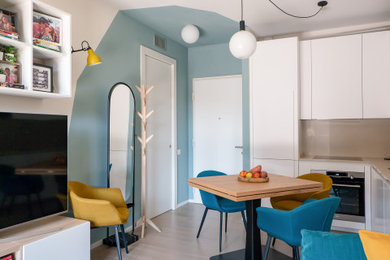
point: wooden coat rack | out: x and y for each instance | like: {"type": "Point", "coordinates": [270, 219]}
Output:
{"type": "Point", "coordinates": [143, 139]}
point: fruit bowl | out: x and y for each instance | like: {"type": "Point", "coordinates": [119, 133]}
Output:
{"type": "Point", "coordinates": [253, 180]}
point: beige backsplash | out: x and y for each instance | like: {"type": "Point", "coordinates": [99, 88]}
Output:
{"type": "Point", "coordinates": [363, 138]}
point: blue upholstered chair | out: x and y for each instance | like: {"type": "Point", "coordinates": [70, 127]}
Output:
{"type": "Point", "coordinates": [217, 203]}
{"type": "Point", "coordinates": [313, 214]}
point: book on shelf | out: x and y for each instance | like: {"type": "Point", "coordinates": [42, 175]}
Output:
{"type": "Point", "coordinates": [12, 35]}
{"type": "Point", "coordinates": [7, 257]}
{"type": "Point", "coordinates": [47, 45]}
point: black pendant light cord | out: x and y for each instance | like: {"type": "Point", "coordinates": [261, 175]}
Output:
{"type": "Point", "coordinates": [321, 4]}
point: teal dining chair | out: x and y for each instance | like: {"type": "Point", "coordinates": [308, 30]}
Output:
{"type": "Point", "coordinates": [219, 204]}
{"type": "Point", "coordinates": [316, 215]}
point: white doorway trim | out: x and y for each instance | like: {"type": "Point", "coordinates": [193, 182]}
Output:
{"type": "Point", "coordinates": [146, 52]}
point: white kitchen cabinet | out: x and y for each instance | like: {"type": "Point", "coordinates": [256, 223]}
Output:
{"type": "Point", "coordinates": [336, 77]}
{"type": "Point", "coordinates": [305, 79]}
{"type": "Point", "coordinates": [376, 76]}
{"type": "Point", "coordinates": [273, 99]}
{"type": "Point", "coordinates": [380, 198]}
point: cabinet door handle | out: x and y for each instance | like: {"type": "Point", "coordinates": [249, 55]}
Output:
{"type": "Point", "coordinates": [239, 147]}
{"type": "Point", "coordinates": [347, 185]}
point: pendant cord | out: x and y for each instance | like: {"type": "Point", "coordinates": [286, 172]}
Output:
{"type": "Point", "coordinates": [296, 16]}
{"type": "Point", "coordinates": [242, 10]}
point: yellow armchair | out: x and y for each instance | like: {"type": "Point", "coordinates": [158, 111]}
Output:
{"type": "Point", "coordinates": [291, 202]}
{"type": "Point", "coordinates": [101, 207]}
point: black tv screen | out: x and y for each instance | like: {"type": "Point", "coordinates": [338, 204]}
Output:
{"type": "Point", "coordinates": [33, 167]}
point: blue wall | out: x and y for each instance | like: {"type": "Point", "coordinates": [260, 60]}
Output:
{"type": "Point", "coordinates": [208, 61]}
{"type": "Point", "coordinates": [120, 52]}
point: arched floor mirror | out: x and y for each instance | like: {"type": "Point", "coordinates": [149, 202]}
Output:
{"type": "Point", "coordinates": [121, 148]}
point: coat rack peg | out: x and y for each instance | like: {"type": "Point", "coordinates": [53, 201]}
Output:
{"type": "Point", "coordinates": [149, 89]}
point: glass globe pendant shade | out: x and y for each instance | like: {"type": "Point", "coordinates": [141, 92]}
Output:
{"type": "Point", "coordinates": [242, 44]}
{"type": "Point", "coordinates": [190, 33]}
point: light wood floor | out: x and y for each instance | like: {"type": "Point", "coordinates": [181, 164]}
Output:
{"type": "Point", "coordinates": [177, 241]}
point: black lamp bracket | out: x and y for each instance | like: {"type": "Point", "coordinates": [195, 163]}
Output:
{"type": "Point", "coordinates": [83, 48]}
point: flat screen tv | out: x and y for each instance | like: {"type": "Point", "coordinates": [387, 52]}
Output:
{"type": "Point", "coordinates": [33, 167]}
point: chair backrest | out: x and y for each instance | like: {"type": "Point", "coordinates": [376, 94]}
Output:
{"type": "Point", "coordinates": [208, 199]}
{"type": "Point", "coordinates": [80, 189]}
{"type": "Point", "coordinates": [322, 194]}
{"type": "Point", "coordinates": [316, 215]}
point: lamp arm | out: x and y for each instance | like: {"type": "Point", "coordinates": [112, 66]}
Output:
{"type": "Point", "coordinates": [82, 47]}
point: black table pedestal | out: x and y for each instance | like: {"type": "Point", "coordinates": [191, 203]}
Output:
{"type": "Point", "coordinates": [253, 250]}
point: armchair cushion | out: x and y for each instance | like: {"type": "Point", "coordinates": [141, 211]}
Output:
{"type": "Point", "coordinates": [376, 245]}
{"type": "Point", "coordinates": [329, 246]}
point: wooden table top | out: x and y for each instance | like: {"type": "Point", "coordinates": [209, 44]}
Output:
{"type": "Point", "coordinates": [227, 186]}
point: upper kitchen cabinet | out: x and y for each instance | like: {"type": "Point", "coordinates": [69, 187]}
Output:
{"type": "Point", "coordinates": [376, 75]}
{"type": "Point", "coordinates": [336, 77]}
{"type": "Point", "coordinates": [273, 99]}
{"type": "Point", "coordinates": [305, 79]}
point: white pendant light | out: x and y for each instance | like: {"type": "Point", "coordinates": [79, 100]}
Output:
{"type": "Point", "coordinates": [190, 33]}
{"type": "Point", "coordinates": [243, 43]}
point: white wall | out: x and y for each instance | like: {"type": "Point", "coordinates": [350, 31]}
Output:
{"type": "Point", "coordinates": [90, 20]}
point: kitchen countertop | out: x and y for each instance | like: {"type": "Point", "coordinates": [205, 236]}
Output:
{"type": "Point", "coordinates": [381, 166]}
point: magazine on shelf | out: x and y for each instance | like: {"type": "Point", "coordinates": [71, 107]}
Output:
{"type": "Point", "coordinates": [47, 45]}
{"type": "Point", "coordinates": [7, 257]}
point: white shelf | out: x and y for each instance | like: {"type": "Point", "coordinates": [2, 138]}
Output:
{"type": "Point", "coordinates": [16, 43]}
{"type": "Point", "coordinates": [28, 54]}
{"type": "Point", "coordinates": [42, 53]}
{"type": "Point", "coordinates": [31, 93]}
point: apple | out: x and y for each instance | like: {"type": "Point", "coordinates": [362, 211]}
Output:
{"type": "Point", "coordinates": [249, 175]}
{"type": "Point", "coordinates": [263, 174]}
{"type": "Point", "coordinates": [243, 173]}
{"type": "Point", "coordinates": [256, 175]}
{"type": "Point", "coordinates": [256, 169]}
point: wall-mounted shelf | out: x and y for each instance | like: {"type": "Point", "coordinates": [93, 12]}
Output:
{"type": "Point", "coordinates": [29, 54]}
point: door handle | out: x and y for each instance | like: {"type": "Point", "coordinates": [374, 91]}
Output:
{"type": "Point", "coordinates": [239, 147]}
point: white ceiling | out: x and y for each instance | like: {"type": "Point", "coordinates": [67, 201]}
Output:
{"type": "Point", "coordinates": [265, 20]}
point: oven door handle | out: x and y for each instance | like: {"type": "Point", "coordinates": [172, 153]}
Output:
{"type": "Point", "coordinates": [347, 185]}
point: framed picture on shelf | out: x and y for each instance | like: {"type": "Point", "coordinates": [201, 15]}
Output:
{"type": "Point", "coordinates": [42, 78]}
{"type": "Point", "coordinates": [47, 31]}
{"type": "Point", "coordinates": [8, 24]}
{"type": "Point", "coordinates": [9, 73]}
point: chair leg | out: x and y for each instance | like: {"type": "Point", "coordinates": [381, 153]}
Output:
{"type": "Point", "coordinates": [124, 238]}
{"type": "Point", "coordinates": [298, 257]}
{"type": "Point", "coordinates": [226, 218]}
{"type": "Point", "coordinates": [118, 245]}
{"type": "Point", "coordinates": [295, 253]}
{"type": "Point", "coordinates": [220, 230]}
{"type": "Point", "coordinates": [243, 219]}
{"type": "Point", "coordinates": [267, 246]}
{"type": "Point", "coordinates": [273, 242]}
{"type": "Point", "coordinates": [201, 223]}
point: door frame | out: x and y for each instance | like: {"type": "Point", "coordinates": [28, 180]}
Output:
{"type": "Point", "coordinates": [146, 52]}
{"type": "Point", "coordinates": [193, 121]}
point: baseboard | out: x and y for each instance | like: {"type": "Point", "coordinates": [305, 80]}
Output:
{"type": "Point", "coordinates": [100, 242]}
{"type": "Point", "coordinates": [193, 201]}
{"type": "Point", "coordinates": [96, 244]}
{"type": "Point", "coordinates": [182, 203]}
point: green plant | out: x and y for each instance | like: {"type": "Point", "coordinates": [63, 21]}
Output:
{"type": "Point", "coordinates": [10, 58]}
{"type": "Point", "coordinates": [10, 49]}
{"type": "Point", "coordinates": [2, 71]}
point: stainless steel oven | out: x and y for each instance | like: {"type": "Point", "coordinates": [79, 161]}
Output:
{"type": "Point", "coordinates": [349, 186]}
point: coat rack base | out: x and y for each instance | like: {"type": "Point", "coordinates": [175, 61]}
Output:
{"type": "Point", "coordinates": [143, 221]}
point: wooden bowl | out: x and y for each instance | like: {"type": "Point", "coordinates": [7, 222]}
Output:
{"type": "Point", "coordinates": [253, 180]}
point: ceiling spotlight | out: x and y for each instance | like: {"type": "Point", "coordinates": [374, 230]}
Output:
{"type": "Point", "coordinates": [190, 33]}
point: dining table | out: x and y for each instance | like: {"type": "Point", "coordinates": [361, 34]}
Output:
{"type": "Point", "coordinates": [228, 186]}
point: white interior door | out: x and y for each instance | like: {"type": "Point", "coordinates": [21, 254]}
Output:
{"type": "Point", "coordinates": [217, 125]}
{"type": "Point", "coordinates": [159, 71]}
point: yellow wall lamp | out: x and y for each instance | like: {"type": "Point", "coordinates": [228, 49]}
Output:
{"type": "Point", "coordinates": [92, 59]}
